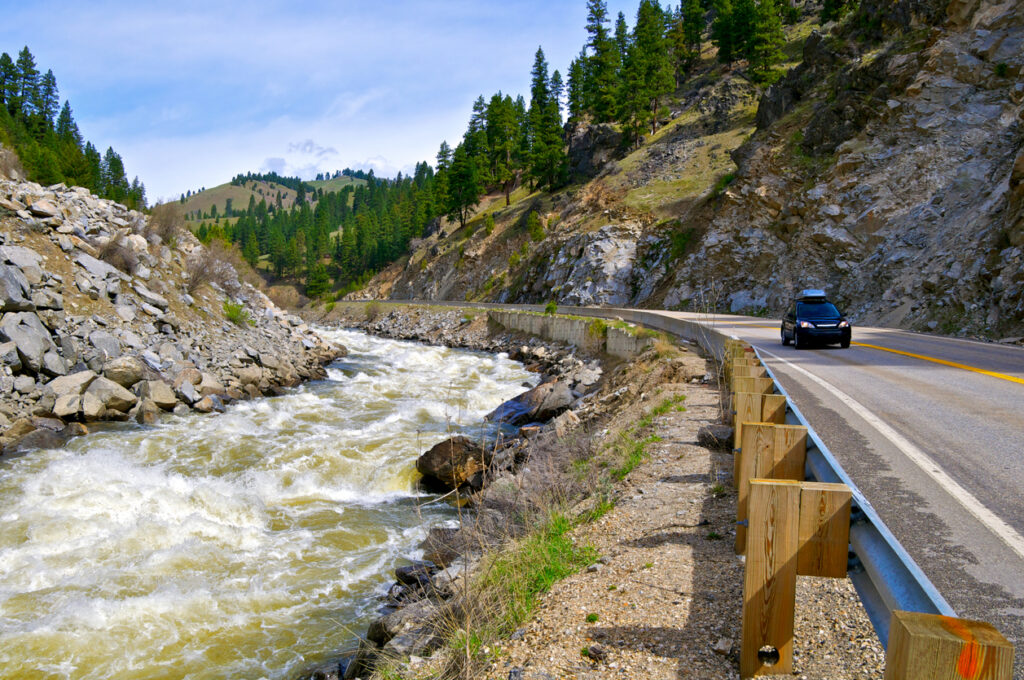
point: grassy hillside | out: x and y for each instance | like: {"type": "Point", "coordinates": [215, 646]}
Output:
{"type": "Point", "coordinates": [203, 201]}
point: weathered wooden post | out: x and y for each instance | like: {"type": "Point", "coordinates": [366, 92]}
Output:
{"type": "Point", "coordinates": [767, 451]}
{"type": "Point", "coordinates": [796, 528]}
{"type": "Point", "coordinates": [769, 582]}
{"type": "Point", "coordinates": [945, 648]}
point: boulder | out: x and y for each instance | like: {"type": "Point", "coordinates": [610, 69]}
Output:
{"type": "Point", "coordinates": [416, 574]}
{"type": "Point", "coordinates": [151, 298]}
{"type": "Point", "coordinates": [715, 436]}
{"type": "Point", "coordinates": [209, 385]}
{"type": "Point", "coordinates": [111, 395]}
{"type": "Point", "coordinates": [74, 384]}
{"type": "Point", "coordinates": [415, 642]}
{"type": "Point", "coordinates": [537, 405]}
{"type": "Point", "coordinates": [564, 424]}
{"type": "Point", "coordinates": [47, 299]}
{"type": "Point", "coordinates": [249, 375]}
{"type": "Point", "coordinates": [15, 291]}
{"type": "Point", "coordinates": [53, 364]}
{"type": "Point", "coordinates": [98, 268]}
{"type": "Point", "coordinates": [125, 371]}
{"type": "Point", "coordinates": [145, 412]}
{"type": "Point", "coordinates": [414, 614]}
{"type": "Point", "coordinates": [92, 407]}
{"type": "Point", "coordinates": [42, 438]}
{"type": "Point", "coordinates": [30, 336]}
{"type": "Point", "coordinates": [107, 344]}
{"type": "Point", "coordinates": [9, 356]}
{"type": "Point", "coordinates": [67, 406]}
{"type": "Point", "coordinates": [453, 462]}
{"type": "Point", "coordinates": [43, 208]}
{"type": "Point", "coordinates": [157, 391]}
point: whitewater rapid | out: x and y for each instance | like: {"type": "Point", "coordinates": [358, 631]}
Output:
{"type": "Point", "coordinates": [242, 545]}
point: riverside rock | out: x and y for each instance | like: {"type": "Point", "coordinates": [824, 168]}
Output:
{"type": "Point", "coordinates": [453, 462]}
{"type": "Point", "coordinates": [539, 404]}
{"type": "Point", "coordinates": [111, 395]}
{"type": "Point", "coordinates": [125, 371]}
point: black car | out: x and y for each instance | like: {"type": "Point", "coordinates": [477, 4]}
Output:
{"type": "Point", "coordinates": [813, 319]}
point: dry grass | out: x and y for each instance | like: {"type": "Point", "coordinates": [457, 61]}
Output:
{"type": "Point", "coordinates": [166, 221]}
{"type": "Point", "coordinates": [210, 265]}
{"type": "Point", "coordinates": [117, 253]}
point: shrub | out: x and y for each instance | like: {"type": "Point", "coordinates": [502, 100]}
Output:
{"type": "Point", "coordinates": [373, 311]}
{"type": "Point", "coordinates": [598, 328]}
{"type": "Point", "coordinates": [207, 266]}
{"type": "Point", "coordinates": [116, 252]}
{"type": "Point", "coordinates": [551, 308]}
{"type": "Point", "coordinates": [534, 227]}
{"type": "Point", "coordinates": [165, 221]}
{"type": "Point", "coordinates": [722, 183]}
{"type": "Point", "coordinates": [489, 224]}
{"type": "Point", "coordinates": [513, 260]}
{"type": "Point", "coordinates": [236, 313]}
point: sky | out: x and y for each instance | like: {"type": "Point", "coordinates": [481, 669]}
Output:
{"type": "Point", "coordinates": [193, 93]}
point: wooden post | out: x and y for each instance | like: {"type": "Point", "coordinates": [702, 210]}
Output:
{"type": "Point", "coordinates": [945, 648]}
{"type": "Point", "coordinates": [824, 529]}
{"type": "Point", "coordinates": [773, 409]}
{"type": "Point", "coordinates": [767, 452]}
{"type": "Point", "coordinates": [756, 385]}
{"type": "Point", "coordinates": [769, 583]}
{"type": "Point", "coordinates": [749, 407]}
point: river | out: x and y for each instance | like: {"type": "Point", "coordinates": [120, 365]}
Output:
{"type": "Point", "coordinates": [241, 545]}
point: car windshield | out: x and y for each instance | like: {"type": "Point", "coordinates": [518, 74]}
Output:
{"type": "Point", "coordinates": [817, 310]}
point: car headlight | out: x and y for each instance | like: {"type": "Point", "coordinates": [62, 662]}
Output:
{"type": "Point", "coordinates": [844, 324]}
{"type": "Point", "coordinates": [806, 324]}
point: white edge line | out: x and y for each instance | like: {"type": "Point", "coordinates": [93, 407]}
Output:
{"type": "Point", "coordinates": [991, 521]}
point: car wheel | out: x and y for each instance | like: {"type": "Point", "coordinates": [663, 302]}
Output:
{"type": "Point", "coordinates": [845, 344]}
{"type": "Point", "coordinates": [797, 344]}
{"type": "Point", "coordinates": [785, 340]}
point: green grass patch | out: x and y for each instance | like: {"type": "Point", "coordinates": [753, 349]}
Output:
{"type": "Point", "coordinates": [530, 566]}
{"type": "Point", "coordinates": [592, 617]}
{"type": "Point", "coordinates": [237, 314]}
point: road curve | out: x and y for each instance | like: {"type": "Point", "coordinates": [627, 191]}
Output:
{"type": "Point", "coordinates": [931, 429]}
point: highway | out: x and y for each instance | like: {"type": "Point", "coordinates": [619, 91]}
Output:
{"type": "Point", "coordinates": [931, 429]}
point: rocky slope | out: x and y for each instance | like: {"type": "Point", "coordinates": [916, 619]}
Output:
{"type": "Point", "coordinates": [886, 167]}
{"type": "Point", "coordinates": [98, 323]}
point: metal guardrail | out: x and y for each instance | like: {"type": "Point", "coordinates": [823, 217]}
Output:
{"type": "Point", "coordinates": [883, 573]}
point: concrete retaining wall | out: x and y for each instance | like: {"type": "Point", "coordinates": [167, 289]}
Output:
{"type": "Point", "coordinates": [620, 343]}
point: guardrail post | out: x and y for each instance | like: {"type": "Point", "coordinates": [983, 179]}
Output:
{"type": "Point", "coordinates": [756, 385]}
{"type": "Point", "coordinates": [769, 583]}
{"type": "Point", "coordinates": [796, 528]}
{"type": "Point", "coordinates": [767, 452]}
{"type": "Point", "coordinates": [945, 648]}
{"type": "Point", "coordinates": [824, 529]}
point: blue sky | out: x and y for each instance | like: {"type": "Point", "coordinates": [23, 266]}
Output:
{"type": "Point", "coordinates": [191, 93]}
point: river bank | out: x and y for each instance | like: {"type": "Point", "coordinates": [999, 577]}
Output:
{"type": "Point", "coordinates": [656, 593]}
{"type": "Point", "coordinates": [112, 315]}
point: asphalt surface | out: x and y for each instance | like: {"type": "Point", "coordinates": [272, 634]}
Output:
{"type": "Point", "coordinates": [959, 511]}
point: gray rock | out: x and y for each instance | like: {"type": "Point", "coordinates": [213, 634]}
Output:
{"type": "Point", "coordinates": [151, 298]}
{"type": "Point", "coordinates": [107, 344]}
{"type": "Point", "coordinates": [157, 391]}
{"type": "Point", "coordinates": [43, 208]}
{"type": "Point", "coordinates": [125, 371]}
{"type": "Point", "coordinates": [539, 404]}
{"type": "Point", "coordinates": [126, 312]}
{"type": "Point", "coordinates": [26, 331]}
{"type": "Point", "coordinates": [47, 299]}
{"type": "Point", "coordinates": [92, 407]}
{"type": "Point", "coordinates": [98, 268]}
{"type": "Point", "coordinates": [15, 291]}
{"type": "Point", "coordinates": [188, 393]}
{"type": "Point", "coordinates": [21, 256]}
{"type": "Point", "coordinates": [209, 385]}
{"type": "Point", "coordinates": [152, 360]}
{"type": "Point", "coordinates": [67, 406]}
{"type": "Point", "coordinates": [75, 384]}
{"type": "Point", "coordinates": [42, 438]}
{"type": "Point", "coordinates": [54, 364]}
{"type": "Point", "coordinates": [24, 384]}
{"type": "Point", "coordinates": [112, 395]}
{"type": "Point", "coordinates": [384, 629]}
{"type": "Point", "coordinates": [9, 356]}
{"type": "Point", "coordinates": [145, 412]}
{"type": "Point", "coordinates": [416, 642]}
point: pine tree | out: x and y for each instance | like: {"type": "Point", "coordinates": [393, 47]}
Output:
{"type": "Point", "coordinates": [28, 80]}
{"type": "Point", "coordinates": [621, 37]}
{"type": "Point", "coordinates": [833, 10]}
{"type": "Point", "coordinates": [722, 32]}
{"type": "Point", "coordinates": [693, 26]}
{"type": "Point", "coordinates": [767, 38]}
{"type": "Point", "coordinates": [547, 160]}
{"type": "Point", "coordinates": [502, 139]}
{"type": "Point", "coordinates": [463, 186]}
{"type": "Point", "coordinates": [602, 66]}
{"type": "Point", "coordinates": [744, 19]}
{"type": "Point", "coordinates": [574, 88]}
{"type": "Point", "coordinates": [649, 74]}
{"type": "Point", "coordinates": [8, 82]}
{"type": "Point", "coordinates": [46, 100]}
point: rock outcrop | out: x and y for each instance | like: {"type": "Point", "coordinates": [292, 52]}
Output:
{"type": "Point", "coordinates": [98, 321]}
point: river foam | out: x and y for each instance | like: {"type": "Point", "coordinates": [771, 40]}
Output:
{"type": "Point", "coordinates": [239, 545]}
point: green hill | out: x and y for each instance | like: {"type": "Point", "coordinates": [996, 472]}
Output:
{"type": "Point", "coordinates": [200, 205]}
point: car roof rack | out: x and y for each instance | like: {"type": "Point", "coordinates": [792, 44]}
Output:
{"type": "Point", "coordinates": [811, 294]}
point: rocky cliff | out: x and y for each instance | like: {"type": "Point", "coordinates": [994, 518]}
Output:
{"type": "Point", "coordinates": [886, 167]}
{"type": "Point", "coordinates": [99, 322]}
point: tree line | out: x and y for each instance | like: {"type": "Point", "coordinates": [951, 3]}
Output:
{"type": "Point", "coordinates": [47, 139]}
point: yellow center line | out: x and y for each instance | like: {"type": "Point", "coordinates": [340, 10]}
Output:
{"type": "Point", "coordinates": [965, 367]}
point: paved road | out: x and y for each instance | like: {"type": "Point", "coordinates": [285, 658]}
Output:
{"type": "Point", "coordinates": [932, 431]}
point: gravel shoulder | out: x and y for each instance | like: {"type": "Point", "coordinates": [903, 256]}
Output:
{"type": "Point", "coordinates": [667, 594]}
